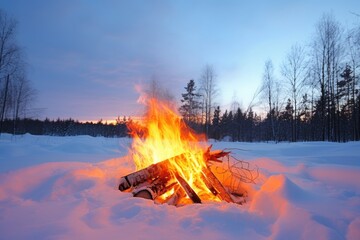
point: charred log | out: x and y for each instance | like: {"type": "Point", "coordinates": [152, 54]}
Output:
{"type": "Point", "coordinates": [215, 183]}
{"type": "Point", "coordinates": [148, 174]}
{"type": "Point", "coordinates": [153, 190]}
{"type": "Point", "coordinates": [189, 191]}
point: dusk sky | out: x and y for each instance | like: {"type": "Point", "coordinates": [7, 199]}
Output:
{"type": "Point", "coordinates": [85, 57]}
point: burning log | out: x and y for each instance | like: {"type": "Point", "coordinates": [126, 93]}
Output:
{"type": "Point", "coordinates": [153, 181]}
{"type": "Point", "coordinates": [216, 185]}
{"type": "Point", "coordinates": [174, 199]}
{"type": "Point", "coordinates": [189, 191]}
{"type": "Point", "coordinates": [149, 174]}
{"type": "Point", "coordinates": [155, 189]}
{"type": "Point", "coordinates": [160, 169]}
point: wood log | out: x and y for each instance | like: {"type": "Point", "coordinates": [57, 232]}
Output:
{"type": "Point", "coordinates": [153, 190]}
{"type": "Point", "coordinates": [161, 169]}
{"type": "Point", "coordinates": [208, 184]}
{"type": "Point", "coordinates": [149, 174]}
{"type": "Point", "coordinates": [215, 183]}
{"type": "Point", "coordinates": [189, 191]}
{"type": "Point", "coordinates": [153, 181]}
{"type": "Point", "coordinates": [175, 198]}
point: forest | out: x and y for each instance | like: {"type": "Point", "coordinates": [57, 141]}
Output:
{"type": "Point", "coordinates": [313, 96]}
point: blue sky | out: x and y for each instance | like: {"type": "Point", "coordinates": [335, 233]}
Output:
{"type": "Point", "coordinates": [85, 57]}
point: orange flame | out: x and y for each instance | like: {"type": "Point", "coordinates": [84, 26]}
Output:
{"type": "Point", "coordinates": [162, 135]}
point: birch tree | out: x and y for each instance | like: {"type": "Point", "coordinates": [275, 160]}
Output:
{"type": "Point", "coordinates": [327, 49]}
{"type": "Point", "coordinates": [294, 70]}
{"type": "Point", "coordinates": [208, 92]}
{"type": "Point", "coordinates": [269, 91]}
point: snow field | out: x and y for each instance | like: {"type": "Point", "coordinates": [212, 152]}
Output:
{"type": "Point", "coordinates": [66, 188]}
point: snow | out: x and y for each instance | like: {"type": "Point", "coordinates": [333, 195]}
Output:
{"type": "Point", "coordinates": [66, 188]}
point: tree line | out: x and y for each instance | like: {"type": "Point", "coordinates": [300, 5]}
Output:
{"type": "Point", "coordinates": [314, 98]}
{"type": "Point", "coordinates": [67, 127]}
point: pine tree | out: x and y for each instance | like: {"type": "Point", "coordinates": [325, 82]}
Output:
{"type": "Point", "coordinates": [190, 103]}
{"type": "Point", "coordinates": [346, 104]}
{"type": "Point", "coordinates": [344, 89]}
{"type": "Point", "coordinates": [239, 120]}
{"type": "Point", "coordinates": [216, 124]}
{"type": "Point", "coordinates": [249, 125]}
{"type": "Point", "coordinates": [226, 123]}
{"type": "Point", "coordinates": [286, 119]}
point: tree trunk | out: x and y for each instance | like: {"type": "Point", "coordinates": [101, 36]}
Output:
{"type": "Point", "coordinates": [4, 103]}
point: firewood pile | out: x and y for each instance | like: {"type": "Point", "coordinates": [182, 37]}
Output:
{"type": "Point", "coordinates": [163, 183]}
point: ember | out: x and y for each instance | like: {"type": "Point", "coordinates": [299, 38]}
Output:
{"type": "Point", "coordinates": [173, 165]}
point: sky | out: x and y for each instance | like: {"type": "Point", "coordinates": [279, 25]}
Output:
{"type": "Point", "coordinates": [85, 58]}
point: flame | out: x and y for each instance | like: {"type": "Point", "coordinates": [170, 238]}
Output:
{"type": "Point", "coordinates": [163, 135]}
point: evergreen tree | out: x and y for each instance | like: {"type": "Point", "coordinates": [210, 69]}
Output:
{"type": "Point", "coordinates": [286, 121]}
{"type": "Point", "coordinates": [190, 103]}
{"type": "Point", "coordinates": [346, 103]}
{"type": "Point", "coordinates": [304, 120]}
{"type": "Point", "coordinates": [226, 124]}
{"type": "Point", "coordinates": [249, 125]}
{"type": "Point", "coordinates": [239, 120]}
{"type": "Point", "coordinates": [216, 123]}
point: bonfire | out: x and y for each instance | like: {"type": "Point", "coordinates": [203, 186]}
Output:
{"type": "Point", "coordinates": [175, 165]}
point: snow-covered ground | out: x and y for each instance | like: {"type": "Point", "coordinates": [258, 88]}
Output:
{"type": "Point", "coordinates": [66, 188]}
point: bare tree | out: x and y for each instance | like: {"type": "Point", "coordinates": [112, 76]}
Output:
{"type": "Point", "coordinates": [294, 70]}
{"type": "Point", "coordinates": [16, 92]}
{"type": "Point", "coordinates": [269, 92]}
{"type": "Point", "coordinates": [327, 52]}
{"type": "Point", "coordinates": [208, 92]}
{"type": "Point", "coordinates": [22, 97]}
{"type": "Point", "coordinates": [9, 57]}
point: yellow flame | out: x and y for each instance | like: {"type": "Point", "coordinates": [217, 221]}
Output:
{"type": "Point", "coordinates": [163, 135]}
